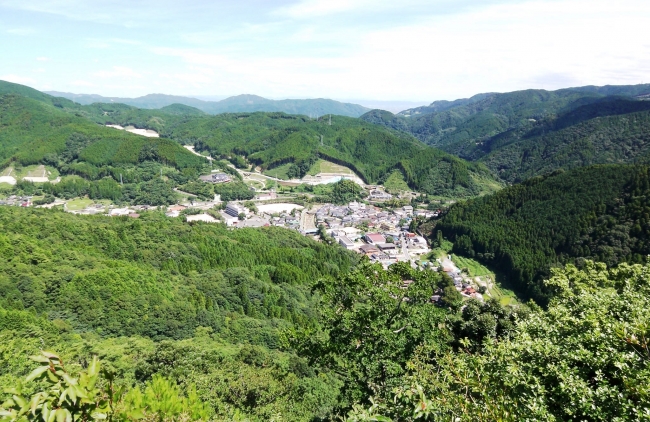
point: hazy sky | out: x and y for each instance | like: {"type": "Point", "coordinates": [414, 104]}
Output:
{"type": "Point", "coordinates": [344, 49]}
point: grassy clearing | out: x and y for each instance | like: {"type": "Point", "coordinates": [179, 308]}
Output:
{"type": "Point", "coordinates": [79, 204]}
{"type": "Point", "coordinates": [324, 166]}
{"type": "Point", "coordinates": [396, 183]}
{"type": "Point", "coordinates": [6, 187]}
{"type": "Point", "coordinates": [36, 171]}
{"type": "Point", "coordinates": [504, 296]}
{"type": "Point", "coordinates": [473, 268]}
{"type": "Point", "coordinates": [442, 251]}
{"type": "Point", "coordinates": [7, 171]}
{"type": "Point", "coordinates": [487, 186]}
{"type": "Point", "coordinates": [255, 184]}
{"type": "Point", "coordinates": [279, 172]}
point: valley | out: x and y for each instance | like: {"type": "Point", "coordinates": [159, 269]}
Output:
{"type": "Point", "coordinates": [270, 265]}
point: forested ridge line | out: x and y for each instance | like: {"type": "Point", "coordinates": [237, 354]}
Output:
{"type": "Point", "coordinates": [533, 132]}
{"type": "Point", "coordinates": [596, 212]}
{"type": "Point", "coordinates": [262, 139]}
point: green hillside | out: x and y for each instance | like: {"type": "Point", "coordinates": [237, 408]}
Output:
{"type": "Point", "coordinates": [141, 292]}
{"type": "Point", "coordinates": [487, 116]}
{"type": "Point", "coordinates": [25, 91]}
{"type": "Point", "coordinates": [33, 132]}
{"type": "Point", "coordinates": [597, 212]}
{"type": "Point", "coordinates": [527, 133]}
{"type": "Point", "coordinates": [273, 139]}
{"type": "Point", "coordinates": [616, 131]}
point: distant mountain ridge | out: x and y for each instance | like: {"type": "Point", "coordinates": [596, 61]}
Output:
{"type": "Point", "coordinates": [237, 104]}
{"type": "Point", "coordinates": [526, 133]}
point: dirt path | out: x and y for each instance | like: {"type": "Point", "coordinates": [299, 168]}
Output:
{"type": "Point", "coordinates": [190, 148]}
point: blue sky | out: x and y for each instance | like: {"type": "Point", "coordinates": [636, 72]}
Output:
{"type": "Point", "coordinates": [409, 50]}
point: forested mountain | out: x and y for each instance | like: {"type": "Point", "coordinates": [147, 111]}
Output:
{"type": "Point", "coordinates": [273, 139]}
{"type": "Point", "coordinates": [34, 132]}
{"type": "Point", "coordinates": [236, 104]}
{"type": "Point", "coordinates": [527, 133]}
{"type": "Point", "coordinates": [197, 322]}
{"type": "Point", "coordinates": [158, 296]}
{"type": "Point", "coordinates": [596, 212]}
{"type": "Point", "coordinates": [612, 131]}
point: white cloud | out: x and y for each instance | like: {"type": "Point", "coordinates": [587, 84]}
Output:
{"type": "Point", "coordinates": [42, 59]}
{"type": "Point", "coordinates": [118, 72]}
{"type": "Point", "coordinates": [17, 79]}
{"type": "Point", "coordinates": [82, 83]}
{"type": "Point", "coordinates": [373, 49]}
{"type": "Point", "coordinates": [534, 44]}
{"type": "Point", "coordinates": [314, 8]}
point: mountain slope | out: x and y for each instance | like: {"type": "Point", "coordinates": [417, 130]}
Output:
{"type": "Point", "coordinates": [32, 132]}
{"type": "Point", "coordinates": [526, 133]}
{"type": "Point", "coordinates": [266, 139]}
{"type": "Point", "coordinates": [236, 104]}
{"type": "Point", "coordinates": [486, 115]}
{"type": "Point", "coordinates": [272, 139]}
{"type": "Point", "coordinates": [137, 292]}
{"type": "Point", "coordinates": [596, 212]}
{"type": "Point", "coordinates": [613, 132]}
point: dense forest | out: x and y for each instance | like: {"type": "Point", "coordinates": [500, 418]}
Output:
{"type": "Point", "coordinates": [33, 132]}
{"type": "Point", "coordinates": [528, 133]}
{"type": "Point", "coordinates": [272, 139]}
{"type": "Point", "coordinates": [264, 139]}
{"type": "Point", "coordinates": [485, 115]}
{"type": "Point", "coordinates": [597, 212]}
{"type": "Point", "coordinates": [196, 322]}
{"type": "Point", "coordinates": [149, 290]}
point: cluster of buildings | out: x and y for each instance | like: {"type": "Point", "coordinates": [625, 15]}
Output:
{"type": "Point", "coordinates": [216, 178]}
{"type": "Point", "coordinates": [381, 235]}
{"type": "Point", "coordinates": [358, 214]}
{"type": "Point", "coordinates": [463, 285]}
{"type": "Point", "coordinates": [18, 201]}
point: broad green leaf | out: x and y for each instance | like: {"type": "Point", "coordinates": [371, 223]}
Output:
{"type": "Point", "coordinates": [36, 373]}
{"type": "Point", "coordinates": [45, 412]}
{"type": "Point", "coordinates": [51, 355]}
{"type": "Point", "coordinates": [60, 415]}
{"type": "Point", "coordinates": [69, 380]}
{"type": "Point", "coordinates": [93, 368]}
{"type": "Point", "coordinates": [20, 401]}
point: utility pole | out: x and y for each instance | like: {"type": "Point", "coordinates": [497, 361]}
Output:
{"type": "Point", "coordinates": [161, 173]}
{"type": "Point", "coordinates": [321, 140]}
{"type": "Point", "coordinates": [330, 120]}
{"type": "Point", "coordinates": [121, 182]}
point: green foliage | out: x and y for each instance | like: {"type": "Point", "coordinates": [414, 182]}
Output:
{"type": "Point", "coordinates": [606, 132]}
{"type": "Point", "coordinates": [275, 140]}
{"type": "Point", "coordinates": [33, 132]}
{"type": "Point", "coordinates": [527, 133]}
{"type": "Point", "coordinates": [344, 192]}
{"type": "Point", "coordinates": [594, 212]}
{"type": "Point", "coordinates": [586, 358]}
{"type": "Point", "coordinates": [373, 323]}
{"type": "Point", "coordinates": [159, 277]}
{"type": "Point", "coordinates": [92, 396]}
{"type": "Point", "coordinates": [234, 191]}
{"type": "Point", "coordinates": [202, 190]}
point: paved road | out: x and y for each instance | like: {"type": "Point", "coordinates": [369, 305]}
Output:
{"type": "Point", "coordinates": [405, 254]}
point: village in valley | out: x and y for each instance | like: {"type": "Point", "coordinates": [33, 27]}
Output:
{"type": "Point", "coordinates": [381, 227]}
